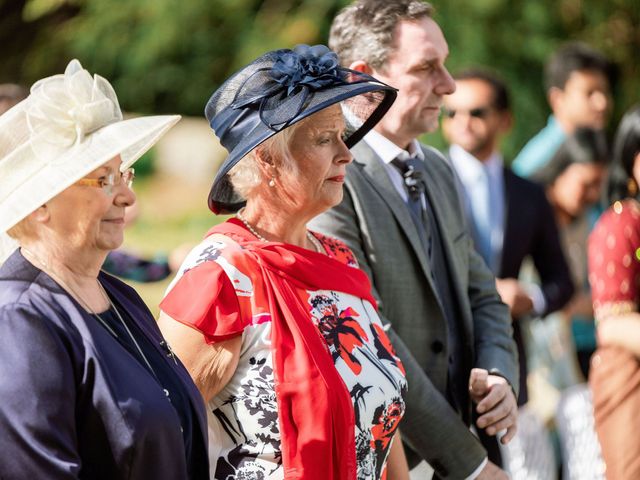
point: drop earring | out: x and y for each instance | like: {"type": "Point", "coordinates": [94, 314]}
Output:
{"type": "Point", "coordinates": [272, 182]}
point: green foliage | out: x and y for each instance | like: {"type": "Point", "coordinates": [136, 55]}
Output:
{"type": "Point", "coordinates": [169, 55]}
{"type": "Point", "coordinates": [144, 165]}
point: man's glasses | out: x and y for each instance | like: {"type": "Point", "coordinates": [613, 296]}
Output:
{"type": "Point", "coordinates": [110, 181]}
{"type": "Point", "coordinates": [480, 112]}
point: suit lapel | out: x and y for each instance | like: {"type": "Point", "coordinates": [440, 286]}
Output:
{"type": "Point", "coordinates": [378, 177]}
{"type": "Point", "coordinates": [510, 217]}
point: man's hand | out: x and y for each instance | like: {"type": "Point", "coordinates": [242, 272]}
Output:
{"type": "Point", "coordinates": [492, 472]}
{"type": "Point", "coordinates": [496, 403]}
{"type": "Point", "coordinates": [516, 297]}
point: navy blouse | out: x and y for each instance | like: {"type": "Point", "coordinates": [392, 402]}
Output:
{"type": "Point", "coordinates": [75, 402]}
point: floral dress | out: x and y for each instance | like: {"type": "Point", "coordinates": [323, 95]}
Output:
{"type": "Point", "coordinates": [244, 434]}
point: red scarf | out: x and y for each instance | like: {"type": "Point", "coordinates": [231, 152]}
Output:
{"type": "Point", "coordinates": [315, 410]}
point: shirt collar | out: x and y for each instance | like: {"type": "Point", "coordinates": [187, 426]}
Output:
{"type": "Point", "coordinates": [387, 150]}
{"type": "Point", "coordinates": [469, 168]}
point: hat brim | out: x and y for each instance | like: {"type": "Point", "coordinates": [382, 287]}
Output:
{"type": "Point", "coordinates": [223, 199]}
{"type": "Point", "coordinates": [129, 138]}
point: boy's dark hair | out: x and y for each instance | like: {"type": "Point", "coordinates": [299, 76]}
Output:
{"type": "Point", "coordinates": [575, 57]}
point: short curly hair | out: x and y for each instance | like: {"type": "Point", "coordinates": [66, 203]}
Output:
{"type": "Point", "coordinates": [364, 30]}
{"type": "Point", "coordinates": [246, 176]}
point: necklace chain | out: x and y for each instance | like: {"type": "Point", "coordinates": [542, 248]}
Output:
{"type": "Point", "coordinates": [126, 327]}
{"type": "Point", "coordinates": [86, 306]}
{"type": "Point", "coordinates": [314, 241]}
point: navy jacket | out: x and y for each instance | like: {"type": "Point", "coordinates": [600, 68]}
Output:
{"type": "Point", "coordinates": [530, 229]}
{"type": "Point", "coordinates": [73, 402]}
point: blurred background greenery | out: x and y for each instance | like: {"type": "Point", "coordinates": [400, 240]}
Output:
{"type": "Point", "coordinates": [169, 56]}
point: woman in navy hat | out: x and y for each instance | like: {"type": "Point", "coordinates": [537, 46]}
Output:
{"type": "Point", "coordinates": [276, 323]}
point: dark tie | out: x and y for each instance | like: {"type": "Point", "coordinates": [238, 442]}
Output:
{"type": "Point", "coordinates": [413, 172]}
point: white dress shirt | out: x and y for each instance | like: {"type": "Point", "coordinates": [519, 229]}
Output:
{"type": "Point", "coordinates": [470, 172]}
{"type": "Point", "coordinates": [483, 184]}
{"type": "Point", "coordinates": [388, 151]}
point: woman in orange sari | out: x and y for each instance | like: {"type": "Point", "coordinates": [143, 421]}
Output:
{"type": "Point", "coordinates": [614, 275]}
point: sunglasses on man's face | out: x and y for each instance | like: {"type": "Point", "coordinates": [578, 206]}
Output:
{"type": "Point", "coordinates": [480, 112]}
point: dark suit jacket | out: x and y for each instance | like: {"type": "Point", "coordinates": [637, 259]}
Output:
{"type": "Point", "coordinates": [530, 229]}
{"type": "Point", "coordinates": [375, 223]}
{"type": "Point", "coordinates": [74, 402]}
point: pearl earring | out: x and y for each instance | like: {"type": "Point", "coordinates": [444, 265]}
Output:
{"type": "Point", "coordinates": [272, 182]}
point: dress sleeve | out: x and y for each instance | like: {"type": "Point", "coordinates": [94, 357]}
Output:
{"type": "Point", "coordinates": [205, 299]}
{"type": "Point", "coordinates": [38, 392]}
{"type": "Point", "coordinates": [614, 262]}
{"type": "Point", "coordinates": [337, 249]}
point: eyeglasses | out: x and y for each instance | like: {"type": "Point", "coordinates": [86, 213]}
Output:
{"type": "Point", "coordinates": [108, 182]}
{"type": "Point", "coordinates": [480, 112]}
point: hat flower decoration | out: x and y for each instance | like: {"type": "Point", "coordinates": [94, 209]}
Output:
{"type": "Point", "coordinates": [295, 74]}
{"type": "Point", "coordinates": [311, 67]}
{"type": "Point", "coordinates": [61, 114]}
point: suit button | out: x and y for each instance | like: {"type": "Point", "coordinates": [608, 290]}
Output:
{"type": "Point", "coordinates": [437, 346]}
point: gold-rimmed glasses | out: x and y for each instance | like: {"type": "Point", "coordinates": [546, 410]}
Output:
{"type": "Point", "coordinates": [108, 182]}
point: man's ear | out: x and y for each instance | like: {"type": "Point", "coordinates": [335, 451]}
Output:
{"type": "Point", "coordinates": [506, 122]}
{"type": "Point", "coordinates": [554, 97]}
{"type": "Point", "coordinates": [361, 66]}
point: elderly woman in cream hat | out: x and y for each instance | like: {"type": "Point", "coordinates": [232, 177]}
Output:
{"type": "Point", "coordinates": [88, 387]}
{"type": "Point", "coordinates": [276, 323]}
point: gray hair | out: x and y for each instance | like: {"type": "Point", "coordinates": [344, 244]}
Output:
{"type": "Point", "coordinates": [365, 29]}
{"type": "Point", "coordinates": [246, 175]}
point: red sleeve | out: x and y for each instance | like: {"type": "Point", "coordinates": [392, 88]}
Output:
{"type": "Point", "coordinates": [614, 262]}
{"type": "Point", "coordinates": [204, 298]}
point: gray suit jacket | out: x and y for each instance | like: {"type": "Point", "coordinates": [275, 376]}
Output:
{"type": "Point", "coordinates": [375, 223]}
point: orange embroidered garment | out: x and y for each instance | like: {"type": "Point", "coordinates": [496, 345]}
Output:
{"type": "Point", "coordinates": [614, 275]}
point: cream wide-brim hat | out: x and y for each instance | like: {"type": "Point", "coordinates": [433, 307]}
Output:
{"type": "Point", "coordinates": [69, 125]}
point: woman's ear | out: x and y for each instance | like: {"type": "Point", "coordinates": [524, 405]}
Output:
{"type": "Point", "coordinates": [263, 156]}
{"type": "Point", "coordinates": [40, 214]}
{"type": "Point", "coordinates": [266, 164]}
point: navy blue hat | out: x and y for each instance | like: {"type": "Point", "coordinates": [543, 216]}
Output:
{"type": "Point", "coordinates": [279, 89]}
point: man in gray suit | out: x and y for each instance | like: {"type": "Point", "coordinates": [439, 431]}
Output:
{"type": "Point", "coordinates": [402, 218]}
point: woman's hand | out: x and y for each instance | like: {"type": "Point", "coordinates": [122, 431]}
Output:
{"type": "Point", "coordinates": [211, 365]}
